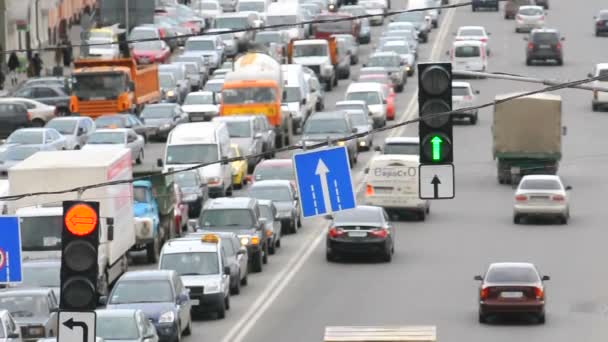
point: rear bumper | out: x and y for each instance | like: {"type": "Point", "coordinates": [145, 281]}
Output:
{"type": "Point", "coordinates": [356, 247]}
{"type": "Point", "coordinates": [495, 307]}
{"type": "Point", "coordinates": [545, 55]}
{"type": "Point", "coordinates": [208, 302]}
{"type": "Point", "coordinates": [540, 210]}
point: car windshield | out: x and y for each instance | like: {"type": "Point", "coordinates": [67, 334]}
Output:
{"type": "Point", "coordinates": [358, 117]}
{"type": "Point", "coordinates": [400, 49]}
{"type": "Point", "coordinates": [18, 153]}
{"type": "Point", "coordinates": [540, 184]}
{"type": "Point", "coordinates": [232, 23]}
{"type": "Point", "coordinates": [25, 305]}
{"type": "Point", "coordinates": [186, 179]}
{"type": "Point", "coordinates": [530, 11]}
{"type": "Point", "coordinates": [36, 276]}
{"type": "Point", "coordinates": [383, 61]}
{"type": "Point", "coordinates": [467, 51]}
{"type": "Point", "coordinates": [117, 328]}
{"type": "Point", "coordinates": [411, 17]}
{"type": "Point", "coordinates": [200, 45]}
{"type": "Point", "coordinates": [325, 126]}
{"type": "Point", "coordinates": [191, 263]}
{"type": "Point", "coordinates": [359, 216]}
{"type": "Point", "coordinates": [142, 291]}
{"type": "Point", "coordinates": [310, 50]}
{"type": "Point", "coordinates": [369, 97]}
{"type": "Point", "coordinates": [106, 138]}
{"type": "Point", "coordinates": [511, 275]}
{"type": "Point", "coordinates": [292, 94]}
{"type": "Point", "coordinates": [192, 154]}
{"type": "Point", "coordinates": [215, 87]}
{"type": "Point", "coordinates": [199, 99]}
{"type": "Point", "coordinates": [63, 126]}
{"type": "Point", "coordinates": [139, 34]}
{"type": "Point", "coordinates": [471, 32]}
{"type": "Point", "coordinates": [333, 26]}
{"type": "Point", "coordinates": [157, 112]}
{"type": "Point", "coordinates": [402, 148]}
{"type": "Point", "coordinates": [460, 91]}
{"type": "Point", "coordinates": [274, 172]}
{"type": "Point", "coordinates": [268, 37]}
{"type": "Point", "coordinates": [110, 121]}
{"type": "Point", "coordinates": [545, 37]}
{"type": "Point", "coordinates": [26, 137]}
{"type": "Point", "coordinates": [251, 6]}
{"type": "Point", "coordinates": [248, 95]}
{"type": "Point", "coordinates": [226, 218]}
{"type": "Point", "coordinates": [239, 129]}
{"type": "Point", "coordinates": [40, 233]}
{"type": "Point", "coordinates": [139, 194]}
{"type": "Point", "coordinates": [151, 45]}
{"type": "Point", "coordinates": [274, 193]}
{"type": "Point", "coordinates": [166, 80]}
{"type": "Point", "coordinates": [280, 20]}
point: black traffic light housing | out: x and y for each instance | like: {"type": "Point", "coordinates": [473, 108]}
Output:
{"type": "Point", "coordinates": [435, 96]}
{"type": "Point", "coordinates": [79, 265]}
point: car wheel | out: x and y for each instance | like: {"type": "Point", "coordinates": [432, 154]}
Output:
{"type": "Point", "coordinates": [292, 226]}
{"type": "Point", "coordinates": [221, 310]}
{"type": "Point", "coordinates": [400, 88]}
{"type": "Point", "coordinates": [236, 289]}
{"type": "Point", "coordinates": [227, 301]}
{"type": "Point", "coordinates": [272, 248]}
{"type": "Point", "coordinates": [140, 157]}
{"type": "Point", "coordinates": [482, 319]}
{"type": "Point", "coordinates": [560, 62]}
{"type": "Point", "coordinates": [265, 256]}
{"type": "Point", "coordinates": [335, 81]}
{"type": "Point", "coordinates": [422, 215]}
{"type": "Point", "coordinates": [541, 318]}
{"type": "Point", "coordinates": [256, 264]}
{"type": "Point", "coordinates": [245, 280]}
{"type": "Point", "coordinates": [473, 119]}
{"type": "Point", "coordinates": [473, 8]}
{"type": "Point", "coordinates": [330, 257]}
{"type": "Point", "coordinates": [528, 61]}
{"type": "Point", "coordinates": [188, 330]}
{"type": "Point", "coordinates": [229, 191]}
{"type": "Point", "coordinates": [516, 218]}
{"type": "Point", "coordinates": [563, 220]}
{"type": "Point", "coordinates": [328, 85]}
{"type": "Point", "coordinates": [594, 107]}
{"type": "Point", "coordinates": [387, 256]}
{"type": "Point", "coordinates": [299, 221]}
{"type": "Point", "coordinates": [153, 250]}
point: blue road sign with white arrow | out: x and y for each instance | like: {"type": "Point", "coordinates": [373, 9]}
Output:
{"type": "Point", "coordinates": [324, 181]}
{"type": "Point", "coordinates": [10, 250]}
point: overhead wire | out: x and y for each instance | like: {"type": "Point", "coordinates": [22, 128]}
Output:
{"type": "Point", "coordinates": [328, 142]}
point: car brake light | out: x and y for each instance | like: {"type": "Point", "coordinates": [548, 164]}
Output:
{"type": "Point", "coordinates": [521, 198]}
{"type": "Point", "coordinates": [484, 40]}
{"type": "Point", "coordinates": [530, 46]}
{"type": "Point", "coordinates": [539, 293]}
{"type": "Point", "coordinates": [558, 46]}
{"type": "Point", "coordinates": [558, 198]}
{"type": "Point", "coordinates": [519, 17]}
{"type": "Point", "coordinates": [542, 18]}
{"type": "Point", "coordinates": [381, 233]}
{"type": "Point", "coordinates": [29, 115]}
{"type": "Point", "coordinates": [369, 190]}
{"type": "Point", "coordinates": [483, 293]}
{"type": "Point", "coordinates": [335, 232]}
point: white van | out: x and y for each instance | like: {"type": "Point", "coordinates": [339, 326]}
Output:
{"type": "Point", "coordinates": [392, 183]}
{"type": "Point", "coordinates": [600, 98]}
{"type": "Point", "coordinates": [297, 97]}
{"type": "Point", "coordinates": [284, 13]}
{"type": "Point", "coordinates": [469, 55]}
{"type": "Point", "coordinates": [196, 143]}
{"type": "Point", "coordinates": [260, 6]}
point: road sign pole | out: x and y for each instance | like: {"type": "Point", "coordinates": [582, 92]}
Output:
{"type": "Point", "coordinates": [8, 268]}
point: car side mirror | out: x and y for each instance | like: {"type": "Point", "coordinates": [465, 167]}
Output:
{"type": "Point", "coordinates": [590, 75]}
{"type": "Point", "coordinates": [563, 38]}
{"type": "Point", "coordinates": [131, 86]}
{"type": "Point", "coordinates": [262, 222]}
{"type": "Point", "coordinates": [183, 298]}
{"type": "Point", "coordinates": [258, 136]}
{"type": "Point", "coordinates": [227, 270]}
{"type": "Point", "coordinates": [103, 300]}
{"type": "Point", "coordinates": [159, 162]}
{"type": "Point", "coordinates": [477, 92]}
{"type": "Point", "coordinates": [303, 102]}
{"type": "Point", "coordinates": [568, 187]}
{"type": "Point", "coordinates": [526, 38]}
{"type": "Point", "coordinates": [80, 131]}
{"type": "Point", "coordinates": [546, 277]}
{"type": "Point", "coordinates": [478, 277]}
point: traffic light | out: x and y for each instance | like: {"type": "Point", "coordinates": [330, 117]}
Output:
{"type": "Point", "coordinates": [79, 266]}
{"type": "Point", "coordinates": [435, 96]}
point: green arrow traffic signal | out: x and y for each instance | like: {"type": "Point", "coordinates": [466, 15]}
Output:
{"type": "Point", "coordinates": [436, 142]}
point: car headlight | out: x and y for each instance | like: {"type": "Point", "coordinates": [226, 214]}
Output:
{"type": "Point", "coordinates": [170, 93]}
{"type": "Point", "coordinates": [35, 331]}
{"type": "Point", "coordinates": [167, 317]}
{"type": "Point", "coordinates": [245, 240]}
{"type": "Point", "coordinates": [165, 126]}
{"type": "Point", "coordinates": [211, 288]}
{"type": "Point", "coordinates": [341, 143]}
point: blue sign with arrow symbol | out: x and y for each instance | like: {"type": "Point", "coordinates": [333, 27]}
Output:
{"type": "Point", "coordinates": [324, 181]}
{"type": "Point", "coordinates": [10, 250]}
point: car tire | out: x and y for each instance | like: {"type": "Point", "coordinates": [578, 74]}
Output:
{"type": "Point", "coordinates": [272, 249]}
{"type": "Point", "coordinates": [328, 85]}
{"type": "Point", "coordinates": [563, 220]}
{"type": "Point", "coordinates": [229, 190]}
{"type": "Point", "coordinates": [435, 24]}
{"type": "Point", "coordinates": [178, 337]}
{"type": "Point", "coordinates": [188, 330]}
{"type": "Point", "coordinates": [482, 319]}
{"type": "Point", "coordinates": [256, 264]}
{"type": "Point", "coordinates": [517, 219]}
{"type": "Point", "coordinates": [595, 107]}
{"type": "Point", "coordinates": [400, 88]}
{"type": "Point", "coordinates": [293, 229]}
{"type": "Point", "coordinates": [245, 280]}
{"type": "Point", "coordinates": [330, 257]}
{"type": "Point", "coordinates": [473, 119]}
{"type": "Point", "coordinates": [265, 255]}
{"type": "Point", "coordinates": [278, 243]}
{"type": "Point", "coordinates": [387, 256]}
{"type": "Point", "coordinates": [227, 301]}
{"type": "Point", "coordinates": [528, 61]}
{"type": "Point", "coordinates": [517, 30]}
{"type": "Point", "coordinates": [560, 62]}
{"type": "Point", "coordinates": [541, 318]}
{"type": "Point", "coordinates": [335, 80]}
{"type": "Point", "coordinates": [422, 215]}
{"type": "Point", "coordinates": [140, 157]}
{"type": "Point", "coordinates": [236, 289]}
{"type": "Point", "coordinates": [153, 251]}
{"type": "Point", "coordinates": [299, 221]}
{"type": "Point", "coordinates": [221, 311]}
{"type": "Point", "coordinates": [473, 8]}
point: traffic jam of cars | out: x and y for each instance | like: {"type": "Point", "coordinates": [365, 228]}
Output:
{"type": "Point", "coordinates": [193, 119]}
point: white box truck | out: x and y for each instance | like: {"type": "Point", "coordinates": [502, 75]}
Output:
{"type": "Point", "coordinates": [40, 216]}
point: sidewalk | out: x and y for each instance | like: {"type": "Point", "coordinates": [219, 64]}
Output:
{"type": "Point", "coordinates": [48, 60]}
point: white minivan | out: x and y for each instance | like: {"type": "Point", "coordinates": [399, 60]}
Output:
{"type": "Point", "coordinates": [392, 183]}
{"type": "Point", "coordinates": [196, 143]}
{"type": "Point", "coordinates": [469, 55]}
{"type": "Point", "coordinates": [372, 94]}
{"type": "Point", "coordinates": [296, 99]}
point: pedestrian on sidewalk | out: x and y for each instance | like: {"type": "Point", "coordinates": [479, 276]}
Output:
{"type": "Point", "coordinates": [13, 64]}
{"type": "Point", "coordinates": [67, 53]}
{"type": "Point", "coordinates": [58, 56]}
{"type": "Point", "coordinates": [37, 64]}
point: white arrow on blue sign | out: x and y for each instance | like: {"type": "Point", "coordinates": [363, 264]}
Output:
{"type": "Point", "coordinates": [324, 181]}
{"type": "Point", "coordinates": [10, 250]}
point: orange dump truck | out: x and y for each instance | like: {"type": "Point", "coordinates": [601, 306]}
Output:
{"type": "Point", "coordinates": [255, 87]}
{"type": "Point", "coordinates": [107, 86]}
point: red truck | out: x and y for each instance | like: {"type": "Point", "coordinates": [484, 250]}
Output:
{"type": "Point", "coordinates": [330, 26]}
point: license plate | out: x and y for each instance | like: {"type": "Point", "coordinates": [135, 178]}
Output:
{"type": "Point", "coordinates": [511, 294]}
{"type": "Point", "coordinates": [544, 46]}
{"type": "Point", "coordinates": [194, 302]}
{"type": "Point", "coordinates": [357, 234]}
{"type": "Point", "coordinates": [539, 197]}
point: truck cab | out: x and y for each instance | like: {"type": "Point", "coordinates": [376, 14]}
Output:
{"type": "Point", "coordinates": [320, 55]}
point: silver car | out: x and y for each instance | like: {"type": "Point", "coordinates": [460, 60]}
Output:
{"type": "Point", "coordinates": [128, 325]}
{"type": "Point", "coordinates": [231, 44]}
{"type": "Point", "coordinates": [42, 273]}
{"type": "Point", "coordinates": [75, 129]}
{"type": "Point", "coordinates": [529, 18]}
{"type": "Point", "coordinates": [270, 212]}
{"type": "Point", "coordinates": [112, 138]}
{"type": "Point", "coordinates": [15, 154]}
{"type": "Point", "coordinates": [402, 48]}
{"type": "Point", "coordinates": [363, 124]}
{"type": "Point", "coordinates": [34, 310]}
{"type": "Point", "coordinates": [541, 195]}
{"type": "Point", "coordinates": [463, 96]}
{"type": "Point", "coordinates": [9, 330]}
{"type": "Point", "coordinates": [285, 197]}
{"type": "Point", "coordinates": [243, 133]}
{"type": "Point", "coordinates": [48, 137]}
{"type": "Point", "coordinates": [351, 44]}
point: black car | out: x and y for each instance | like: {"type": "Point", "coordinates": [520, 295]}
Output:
{"type": "Point", "coordinates": [123, 121]}
{"type": "Point", "coordinates": [13, 115]}
{"type": "Point", "coordinates": [161, 118]}
{"type": "Point", "coordinates": [601, 23]}
{"type": "Point", "coordinates": [362, 230]}
{"type": "Point", "coordinates": [195, 190]}
{"type": "Point", "coordinates": [240, 215]}
{"type": "Point", "coordinates": [544, 3]}
{"type": "Point", "coordinates": [52, 94]}
{"type": "Point", "coordinates": [544, 45]}
{"type": "Point", "coordinates": [485, 4]}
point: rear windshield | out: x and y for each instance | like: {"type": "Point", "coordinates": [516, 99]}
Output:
{"type": "Point", "coordinates": [512, 275]}
{"type": "Point", "coordinates": [360, 216]}
{"type": "Point", "coordinates": [471, 32]}
{"type": "Point", "coordinates": [530, 11]}
{"type": "Point", "coordinates": [406, 148]}
{"type": "Point", "coordinates": [545, 37]}
{"type": "Point", "coordinates": [467, 51]}
{"type": "Point", "coordinates": [460, 91]}
{"type": "Point", "coordinates": [540, 184]}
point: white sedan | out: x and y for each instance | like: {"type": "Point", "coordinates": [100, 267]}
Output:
{"type": "Point", "coordinates": [117, 138]}
{"type": "Point", "coordinates": [40, 112]}
{"type": "Point", "coordinates": [474, 33]}
{"type": "Point", "coordinates": [49, 137]}
{"type": "Point", "coordinates": [529, 18]}
{"type": "Point", "coordinates": [541, 196]}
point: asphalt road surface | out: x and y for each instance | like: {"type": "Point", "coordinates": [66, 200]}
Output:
{"type": "Point", "coordinates": [430, 280]}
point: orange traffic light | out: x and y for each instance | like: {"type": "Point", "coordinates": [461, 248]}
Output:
{"type": "Point", "coordinates": [80, 219]}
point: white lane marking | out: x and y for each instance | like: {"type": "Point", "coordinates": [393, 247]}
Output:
{"type": "Point", "coordinates": [337, 194]}
{"type": "Point", "coordinates": [314, 199]}
{"type": "Point", "coordinates": [280, 281]}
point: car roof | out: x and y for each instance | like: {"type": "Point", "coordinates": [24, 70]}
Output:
{"type": "Point", "coordinates": [537, 177]}
{"type": "Point", "coordinates": [199, 38]}
{"type": "Point", "coordinates": [363, 86]}
{"type": "Point", "coordinates": [461, 84]}
{"type": "Point", "coordinates": [70, 118]}
{"type": "Point", "coordinates": [162, 104]}
{"type": "Point", "coordinates": [229, 203]}
{"type": "Point", "coordinates": [232, 118]}
{"type": "Point", "coordinates": [38, 129]}
{"type": "Point", "coordinates": [147, 275]}
{"type": "Point", "coordinates": [511, 265]}
{"type": "Point", "coordinates": [271, 183]}
{"type": "Point", "coordinates": [276, 162]}
{"type": "Point", "coordinates": [459, 43]}
{"type": "Point", "coordinates": [544, 30]}
{"type": "Point", "coordinates": [471, 28]}
{"type": "Point", "coordinates": [351, 103]}
{"type": "Point", "coordinates": [328, 115]}
{"type": "Point", "coordinates": [401, 140]}
{"type": "Point", "coordinates": [110, 130]}
{"type": "Point", "coordinates": [384, 53]}
{"type": "Point", "coordinates": [188, 244]}
{"type": "Point", "coordinates": [24, 291]}
{"type": "Point", "coordinates": [359, 208]}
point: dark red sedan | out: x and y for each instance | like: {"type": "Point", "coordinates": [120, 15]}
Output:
{"type": "Point", "coordinates": [512, 288]}
{"type": "Point", "coordinates": [156, 51]}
